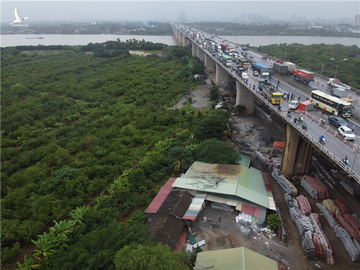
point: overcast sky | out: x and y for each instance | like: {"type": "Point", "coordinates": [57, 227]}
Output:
{"type": "Point", "coordinates": [159, 10]}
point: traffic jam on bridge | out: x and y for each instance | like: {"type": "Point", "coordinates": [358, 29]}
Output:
{"type": "Point", "coordinates": [256, 72]}
{"type": "Point", "coordinates": [315, 118]}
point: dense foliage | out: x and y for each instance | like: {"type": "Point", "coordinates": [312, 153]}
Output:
{"type": "Point", "coordinates": [79, 129]}
{"type": "Point", "coordinates": [312, 57]}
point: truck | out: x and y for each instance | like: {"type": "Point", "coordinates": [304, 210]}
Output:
{"type": "Point", "coordinates": [227, 60]}
{"type": "Point", "coordinates": [261, 68]}
{"type": "Point", "coordinates": [336, 83]}
{"type": "Point", "coordinates": [280, 68]}
{"type": "Point", "coordinates": [223, 47]}
{"type": "Point", "coordinates": [242, 61]}
{"type": "Point", "coordinates": [338, 92]}
{"type": "Point", "coordinates": [262, 82]}
{"type": "Point", "coordinates": [291, 67]}
{"type": "Point", "coordinates": [305, 76]}
{"type": "Point", "coordinates": [272, 95]}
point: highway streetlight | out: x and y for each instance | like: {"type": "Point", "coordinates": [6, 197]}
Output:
{"type": "Point", "coordinates": [285, 56]}
{"type": "Point", "coordinates": [337, 65]}
{"type": "Point", "coordinates": [322, 68]}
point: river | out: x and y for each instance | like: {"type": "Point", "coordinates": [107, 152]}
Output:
{"type": "Point", "coordinates": [15, 40]}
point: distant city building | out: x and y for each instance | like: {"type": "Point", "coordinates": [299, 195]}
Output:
{"type": "Point", "coordinates": [182, 17]}
{"type": "Point", "coordinates": [357, 21]}
{"type": "Point", "coordinates": [293, 18]}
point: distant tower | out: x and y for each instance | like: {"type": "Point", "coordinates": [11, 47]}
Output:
{"type": "Point", "coordinates": [182, 17]}
{"type": "Point", "coordinates": [293, 18]}
{"type": "Point", "coordinates": [357, 21]}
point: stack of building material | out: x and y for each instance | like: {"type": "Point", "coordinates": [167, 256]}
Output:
{"type": "Point", "coordinates": [308, 245]}
{"type": "Point", "coordinates": [293, 207]}
{"type": "Point", "coordinates": [323, 249]}
{"type": "Point", "coordinates": [356, 217]}
{"type": "Point", "coordinates": [263, 162]}
{"type": "Point", "coordinates": [315, 188]}
{"type": "Point", "coordinates": [331, 207]}
{"type": "Point", "coordinates": [353, 231]}
{"type": "Point", "coordinates": [342, 206]}
{"type": "Point", "coordinates": [304, 205]}
{"type": "Point", "coordinates": [303, 224]}
{"type": "Point", "coordinates": [330, 218]}
{"type": "Point", "coordinates": [353, 222]}
{"type": "Point", "coordinates": [349, 245]}
{"type": "Point", "coordinates": [286, 185]}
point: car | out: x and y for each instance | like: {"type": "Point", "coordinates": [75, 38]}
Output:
{"type": "Point", "coordinates": [294, 104]}
{"type": "Point", "coordinates": [337, 121]}
{"type": "Point", "coordinates": [346, 133]}
{"type": "Point", "coordinates": [244, 75]}
{"type": "Point", "coordinates": [256, 73]}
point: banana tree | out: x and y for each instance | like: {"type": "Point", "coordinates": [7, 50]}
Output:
{"type": "Point", "coordinates": [63, 226]}
{"type": "Point", "coordinates": [79, 213]}
{"type": "Point", "coordinates": [28, 264]}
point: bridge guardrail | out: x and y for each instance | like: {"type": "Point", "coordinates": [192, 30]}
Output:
{"type": "Point", "coordinates": [314, 141]}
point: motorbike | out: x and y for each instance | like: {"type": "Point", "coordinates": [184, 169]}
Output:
{"type": "Point", "coordinates": [323, 121]}
{"type": "Point", "coordinates": [346, 161]}
{"type": "Point", "coordinates": [289, 115]}
{"type": "Point", "coordinates": [304, 128]}
{"type": "Point", "coordinates": [322, 141]}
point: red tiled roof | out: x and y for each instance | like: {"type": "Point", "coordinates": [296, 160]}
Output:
{"type": "Point", "coordinates": [160, 197]}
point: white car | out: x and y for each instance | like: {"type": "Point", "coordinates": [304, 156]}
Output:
{"type": "Point", "coordinates": [294, 105]}
{"type": "Point", "coordinates": [346, 133]}
{"type": "Point", "coordinates": [245, 76]}
{"type": "Point", "coordinates": [256, 73]}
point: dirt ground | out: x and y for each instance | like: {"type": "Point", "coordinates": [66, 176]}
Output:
{"type": "Point", "coordinates": [139, 53]}
{"type": "Point", "coordinates": [230, 234]}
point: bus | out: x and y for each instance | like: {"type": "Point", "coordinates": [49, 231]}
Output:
{"type": "Point", "coordinates": [334, 105]}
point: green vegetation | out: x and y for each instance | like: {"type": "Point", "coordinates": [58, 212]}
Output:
{"type": "Point", "coordinates": [91, 28]}
{"type": "Point", "coordinates": [242, 29]}
{"type": "Point", "coordinates": [86, 127]}
{"type": "Point", "coordinates": [274, 221]}
{"type": "Point", "coordinates": [312, 57]}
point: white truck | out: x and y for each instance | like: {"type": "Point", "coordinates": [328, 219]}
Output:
{"type": "Point", "coordinates": [336, 83]}
{"type": "Point", "coordinates": [291, 67]}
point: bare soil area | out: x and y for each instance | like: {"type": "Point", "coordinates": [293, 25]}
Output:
{"type": "Point", "coordinates": [139, 53]}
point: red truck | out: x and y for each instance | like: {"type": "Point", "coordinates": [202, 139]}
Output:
{"type": "Point", "coordinates": [223, 47]}
{"type": "Point", "coordinates": [304, 76]}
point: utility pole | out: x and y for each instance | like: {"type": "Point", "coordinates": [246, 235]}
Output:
{"type": "Point", "coordinates": [322, 68]}
{"type": "Point", "coordinates": [337, 64]}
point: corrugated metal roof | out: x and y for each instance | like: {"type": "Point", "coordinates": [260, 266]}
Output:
{"type": "Point", "coordinates": [195, 207]}
{"type": "Point", "coordinates": [226, 179]}
{"type": "Point", "coordinates": [234, 259]}
{"type": "Point", "coordinates": [160, 197]}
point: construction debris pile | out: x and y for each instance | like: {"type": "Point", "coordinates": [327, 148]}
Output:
{"type": "Point", "coordinates": [314, 187]}
{"type": "Point", "coordinates": [314, 240]}
{"type": "Point", "coordinates": [346, 226]}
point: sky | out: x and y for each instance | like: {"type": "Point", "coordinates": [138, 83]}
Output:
{"type": "Point", "coordinates": [118, 10]}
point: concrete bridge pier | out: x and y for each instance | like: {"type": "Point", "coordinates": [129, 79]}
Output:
{"type": "Point", "coordinates": [209, 63]}
{"type": "Point", "coordinates": [200, 54]}
{"type": "Point", "coordinates": [184, 41]}
{"type": "Point", "coordinates": [244, 97]}
{"type": "Point", "coordinates": [297, 155]}
{"type": "Point", "coordinates": [222, 77]}
{"type": "Point", "coordinates": [194, 49]}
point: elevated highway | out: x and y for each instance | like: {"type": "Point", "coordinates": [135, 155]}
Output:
{"type": "Point", "coordinates": [299, 144]}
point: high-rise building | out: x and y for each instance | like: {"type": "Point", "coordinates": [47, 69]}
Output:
{"type": "Point", "coordinates": [182, 17]}
{"type": "Point", "coordinates": [357, 21]}
{"type": "Point", "coordinates": [293, 18]}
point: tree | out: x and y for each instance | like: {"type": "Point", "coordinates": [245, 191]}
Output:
{"type": "Point", "coordinates": [225, 154]}
{"type": "Point", "coordinates": [214, 92]}
{"type": "Point", "coordinates": [144, 257]}
{"type": "Point", "coordinates": [274, 221]}
{"type": "Point", "coordinates": [180, 158]}
{"type": "Point", "coordinates": [240, 109]}
{"type": "Point", "coordinates": [210, 127]}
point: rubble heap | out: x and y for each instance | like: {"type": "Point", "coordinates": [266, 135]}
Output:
{"type": "Point", "coordinates": [314, 187]}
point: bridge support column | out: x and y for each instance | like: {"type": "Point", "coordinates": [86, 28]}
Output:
{"type": "Point", "coordinates": [297, 155]}
{"type": "Point", "coordinates": [184, 41]}
{"type": "Point", "coordinates": [222, 77]}
{"type": "Point", "coordinates": [244, 97]}
{"type": "Point", "coordinates": [209, 63]}
{"type": "Point", "coordinates": [200, 54]}
{"type": "Point", "coordinates": [194, 49]}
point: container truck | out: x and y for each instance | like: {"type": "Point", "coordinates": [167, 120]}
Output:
{"type": "Point", "coordinates": [242, 61]}
{"type": "Point", "coordinates": [262, 68]}
{"type": "Point", "coordinates": [227, 60]}
{"type": "Point", "coordinates": [338, 92]}
{"type": "Point", "coordinates": [291, 67]}
{"type": "Point", "coordinates": [272, 95]}
{"type": "Point", "coordinates": [280, 68]}
{"type": "Point", "coordinates": [223, 47]}
{"type": "Point", "coordinates": [304, 76]}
